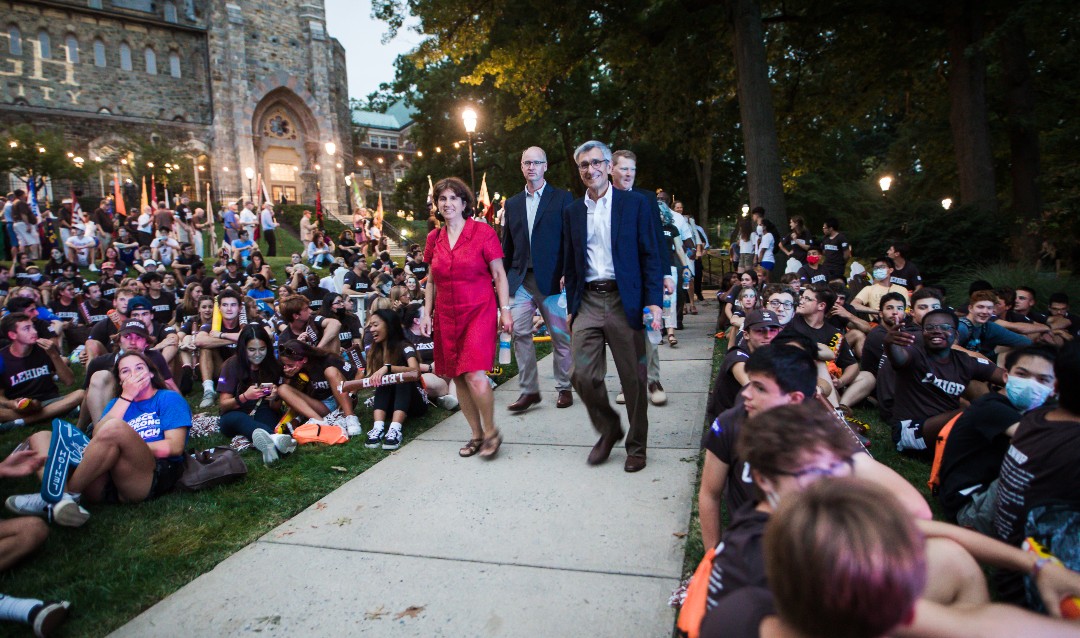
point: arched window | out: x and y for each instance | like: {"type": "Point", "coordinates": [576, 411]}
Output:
{"type": "Point", "coordinates": [14, 40]}
{"type": "Point", "coordinates": [99, 53]}
{"type": "Point", "coordinates": [45, 43]}
{"type": "Point", "coordinates": [72, 45]}
{"type": "Point", "coordinates": [125, 56]}
{"type": "Point", "coordinates": [174, 64]}
{"type": "Point", "coordinates": [151, 61]}
{"type": "Point", "coordinates": [170, 12]}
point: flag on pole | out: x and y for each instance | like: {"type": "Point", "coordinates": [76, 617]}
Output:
{"type": "Point", "coordinates": [430, 192]}
{"type": "Point", "coordinates": [118, 197]}
{"type": "Point", "coordinates": [211, 218]}
{"type": "Point", "coordinates": [145, 201]}
{"type": "Point", "coordinates": [153, 192]}
{"type": "Point", "coordinates": [31, 186]}
{"type": "Point", "coordinates": [318, 208]}
{"type": "Point", "coordinates": [357, 196]}
{"type": "Point", "coordinates": [482, 199]}
{"type": "Point", "coordinates": [168, 202]}
{"type": "Point", "coordinates": [265, 190]}
{"type": "Point", "coordinates": [379, 213]}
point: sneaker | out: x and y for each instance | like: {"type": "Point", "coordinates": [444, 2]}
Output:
{"type": "Point", "coordinates": [93, 268]}
{"type": "Point", "coordinates": [66, 512]}
{"type": "Point", "coordinates": [263, 441]}
{"type": "Point", "coordinates": [208, 397]}
{"type": "Point", "coordinates": [352, 426]}
{"type": "Point", "coordinates": [392, 440]}
{"type": "Point", "coordinates": [657, 396]}
{"type": "Point", "coordinates": [911, 437]}
{"type": "Point", "coordinates": [284, 443]}
{"type": "Point", "coordinates": [48, 616]}
{"type": "Point", "coordinates": [374, 436]}
{"type": "Point", "coordinates": [620, 399]}
{"type": "Point", "coordinates": [447, 402]}
{"type": "Point", "coordinates": [369, 403]}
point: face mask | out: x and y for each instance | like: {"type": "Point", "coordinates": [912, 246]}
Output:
{"type": "Point", "coordinates": [813, 259]}
{"type": "Point", "coordinates": [760, 229]}
{"type": "Point", "coordinates": [1026, 394]}
{"type": "Point", "coordinates": [257, 356]}
{"type": "Point", "coordinates": [880, 273]}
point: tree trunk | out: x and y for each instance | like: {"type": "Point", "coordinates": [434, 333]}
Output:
{"type": "Point", "coordinates": [1023, 144]}
{"type": "Point", "coordinates": [965, 23]}
{"type": "Point", "coordinates": [703, 172]}
{"type": "Point", "coordinates": [762, 148]}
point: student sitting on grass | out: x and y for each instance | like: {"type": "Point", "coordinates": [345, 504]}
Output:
{"type": "Point", "coordinates": [135, 453]}
{"type": "Point", "coordinates": [391, 353]}
{"type": "Point", "coordinates": [314, 383]}
{"type": "Point", "coordinates": [28, 393]}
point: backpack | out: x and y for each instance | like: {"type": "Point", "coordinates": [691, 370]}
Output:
{"type": "Point", "coordinates": [939, 453]}
{"type": "Point", "coordinates": [697, 595]}
{"type": "Point", "coordinates": [316, 432]}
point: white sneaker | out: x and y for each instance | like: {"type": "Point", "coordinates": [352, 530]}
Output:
{"type": "Point", "coordinates": [93, 268]}
{"type": "Point", "coordinates": [447, 402]}
{"type": "Point", "coordinates": [284, 443]}
{"type": "Point", "coordinates": [621, 399]}
{"type": "Point", "coordinates": [67, 512]}
{"type": "Point", "coordinates": [208, 397]}
{"type": "Point", "coordinates": [910, 437]}
{"type": "Point", "coordinates": [374, 436]}
{"type": "Point", "coordinates": [264, 442]}
{"type": "Point", "coordinates": [352, 426]}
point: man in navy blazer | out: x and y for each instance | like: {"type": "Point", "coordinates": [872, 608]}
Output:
{"type": "Point", "coordinates": [532, 231]}
{"type": "Point", "coordinates": [613, 273]}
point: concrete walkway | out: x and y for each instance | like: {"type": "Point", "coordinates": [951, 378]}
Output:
{"type": "Point", "coordinates": [534, 543]}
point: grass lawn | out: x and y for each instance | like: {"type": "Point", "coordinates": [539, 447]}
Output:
{"type": "Point", "coordinates": [128, 557]}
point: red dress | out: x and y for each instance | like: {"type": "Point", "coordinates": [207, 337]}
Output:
{"type": "Point", "coordinates": [465, 320]}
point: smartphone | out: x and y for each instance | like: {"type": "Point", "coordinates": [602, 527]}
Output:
{"type": "Point", "coordinates": [266, 387]}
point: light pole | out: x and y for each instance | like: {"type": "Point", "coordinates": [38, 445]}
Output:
{"type": "Point", "coordinates": [885, 183]}
{"type": "Point", "coordinates": [468, 117]}
{"type": "Point", "coordinates": [946, 203]}
{"type": "Point", "coordinates": [250, 174]}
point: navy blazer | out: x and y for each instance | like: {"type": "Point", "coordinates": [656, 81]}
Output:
{"type": "Point", "coordinates": [634, 252]}
{"type": "Point", "coordinates": [665, 246]}
{"type": "Point", "coordinates": [542, 253]}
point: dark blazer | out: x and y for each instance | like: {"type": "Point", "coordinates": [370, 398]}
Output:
{"type": "Point", "coordinates": [542, 255]}
{"type": "Point", "coordinates": [634, 252]}
{"type": "Point", "coordinates": [665, 246]}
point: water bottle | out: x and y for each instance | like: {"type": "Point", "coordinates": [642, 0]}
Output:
{"type": "Point", "coordinates": [667, 313]}
{"type": "Point", "coordinates": [654, 335]}
{"type": "Point", "coordinates": [562, 301]}
{"type": "Point", "coordinates": [504, 348]}
{"type": "Point", "coordinates": [686, 278]}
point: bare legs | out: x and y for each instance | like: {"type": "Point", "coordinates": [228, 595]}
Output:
{"type": "Point", "coordinates": [477, 403]}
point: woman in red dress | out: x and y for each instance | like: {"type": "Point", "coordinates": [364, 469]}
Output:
{"type": "Point", "coordinates": [465, 257]}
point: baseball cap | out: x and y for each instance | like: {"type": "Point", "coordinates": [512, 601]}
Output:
{"type": "Point", "coordinates": [139, 303]}
{"type": "Point", "coordinates": [108, 264]}
{"type": "Point", "coordinates": [232, 261]}
{"type": "Point", "coordinates": [134, 326]}
{"type": "Point", "coordinates": [754, 319]}
{"type": "Point", "coordinates": [149, 263]}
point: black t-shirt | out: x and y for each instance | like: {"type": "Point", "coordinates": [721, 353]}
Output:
{"type": "Point", "coordinates": [94, 314]}
{"type": "Point", "coordinates": [975, 450]}
{"type": "Point", "coordinates": [28, 377]}
{"type": "Point", "coordinates": [164, 307]}
{"type": "Point", "coordinates": [1030, 317]}
{"type": "Point", "coordinates": [425, 346]}
{"type": "Point", "coordinates": [872, 350]}
{"type": "Point", "coordinates": [318, 385]}
{"type": "Point", "coordinates": [182, 317]}
{"type": "Point", "coordinates": [720, 439]}
{"type": "Point", "coordinates": [237, 279]}
{"type": "Point", "coordinates": [109, 286]}
{"type": "Point", "coordinates": [107, 361]}
{"type": "Point", "coordinates": [671, 236]}
{"type": "Point", "coordinates": [1041, 467]}
{"type": "Point", "coordinates": [740, 558]}
{"type": "Point", "coordinates": [809, 275]}
{"type": "Point", "coordinates": [351, 331]}
{"type": "Point", "coordinates": [187, 260]}
{"type": "Point", "coordinates": [726, 387]}
{"type": "Point", "coordinates": [832, 251]}
{"type": "Point", "coordinates": [908, 276]}
{"type": "Point", "coordinates": [927, 386]}
{"type": "Point", "coordinates": [315, 298]}
{"type": "Point", "coordinates": [828, 336]}
{"type": "Point", "coordinates": [357, 283]}
{"type": "Point", "coordinates": [231, 381]}
{"type": "Point", "coordinates": [105, 329]}
{"type": "Point", "coordinates": [739, 615]}
{"type": "Point", "coordinates": [227, 349]}
{"type": "Point", "coordinates": [66, 312]}
{"type": "Point", "coordinates": [419, 269]}
{"type": "Point", "coordinates": [797, 251]}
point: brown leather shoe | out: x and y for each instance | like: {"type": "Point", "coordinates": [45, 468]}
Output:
{"type": "Point", "coordinates": [523, 402]}
{"type": "Point", "coordinates": [566, 399]}
{"type": "Point", "coordinates": [602, 450]}
{"type": "Point", "coordinates": [634, 463]}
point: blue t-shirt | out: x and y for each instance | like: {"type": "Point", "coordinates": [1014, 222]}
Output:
{"type": "Point", "coordinates": [166, 410]}
{"type": "Point", "coordinates": [245, 246]}
{"type": "Point", "coordinates": [229, 219]}
{"type": "Point", "coordinates": [260, 294]}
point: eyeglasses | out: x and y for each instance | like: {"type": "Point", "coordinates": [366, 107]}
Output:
{"type": "Point", "coordinates": [532, 163]}
{"type": "Point", "coordinates": [776, 303]}
{"type": "Point", "coordinates": [809, 298]}
{"type": "Point", "coordinates": [596, 163]}
{"type": "Point", "coordinates": [939, 327]}
{"type": "Point", "coordinates": [806, 476]}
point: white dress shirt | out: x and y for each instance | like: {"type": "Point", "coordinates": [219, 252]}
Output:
{"type": "Point", "coordinates": [532, 204]}
{"type": "Point", "coordinates": [599, 263]}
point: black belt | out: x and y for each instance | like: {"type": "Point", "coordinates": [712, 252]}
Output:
{"type": "Point", "coordinates": [602, 285]}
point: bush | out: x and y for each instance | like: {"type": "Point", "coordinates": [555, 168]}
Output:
{"type": "Point", "coordinates": [1011, 276]}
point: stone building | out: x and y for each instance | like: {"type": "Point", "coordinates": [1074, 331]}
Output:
{"type": "Point", "coordinates": [383, 150]}
{"type": "Point", "coordinates": [236, 84]}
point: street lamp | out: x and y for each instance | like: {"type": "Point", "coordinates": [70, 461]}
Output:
{"type": "Point", "coordinates": [250, 174]}
{"type": "Point", "coordinates": [946, 203]}
{"type": "Point", "coordinates": [468, 117]}
{"type": "Point", "coordinates": [331, 148]}
{"type": "Point", "coordinates": [745, 210]}
{"type": "Point", "coordinates": [885, 183]}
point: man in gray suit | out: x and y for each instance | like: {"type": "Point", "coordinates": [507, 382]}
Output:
{"type": "Point", "coordinates": [531, 237]}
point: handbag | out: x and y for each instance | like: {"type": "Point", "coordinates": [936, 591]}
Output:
{"type": "Point", "coordinates": [207, 468]}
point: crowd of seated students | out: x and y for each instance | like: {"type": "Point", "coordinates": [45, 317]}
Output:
{"type": "Point", "coordinates": [985, 391]}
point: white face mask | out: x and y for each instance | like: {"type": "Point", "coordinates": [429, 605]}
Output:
{"type": "Point", "coordinates": [880, 273]}
{"type": "Point", "coordinates": [1026, 394]}
{"type": "Point", "coordinates": [760, 229]}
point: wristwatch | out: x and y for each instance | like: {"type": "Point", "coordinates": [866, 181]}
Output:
{"type": "Point", "coordinates": [388, 368]}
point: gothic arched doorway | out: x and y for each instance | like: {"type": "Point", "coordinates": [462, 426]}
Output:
{"type": "Point", "coordinates": [286, 146]}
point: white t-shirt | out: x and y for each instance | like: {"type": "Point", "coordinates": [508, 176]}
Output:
{"type": "Point", "coordinates": [82, 246]}
{"type": "Point", "coordinates": [165, 247]}
{"type": "Point", "coordinates": [145, 222]}
{"type": "Point", "coordinates": [248, 221]}
{"type": "Point", "coordinates": [768, 244]}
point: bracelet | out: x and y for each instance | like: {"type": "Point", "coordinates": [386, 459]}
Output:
{"type": "Point", "coordinates": [123, 398]}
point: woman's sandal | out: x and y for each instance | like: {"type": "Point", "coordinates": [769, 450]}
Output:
{"type": "Point", "coordinates": [672, 341]}
{"type": "Point", "coordinates": [491, 445]}
{"type": "Point", "coordinates": [470, 448]}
